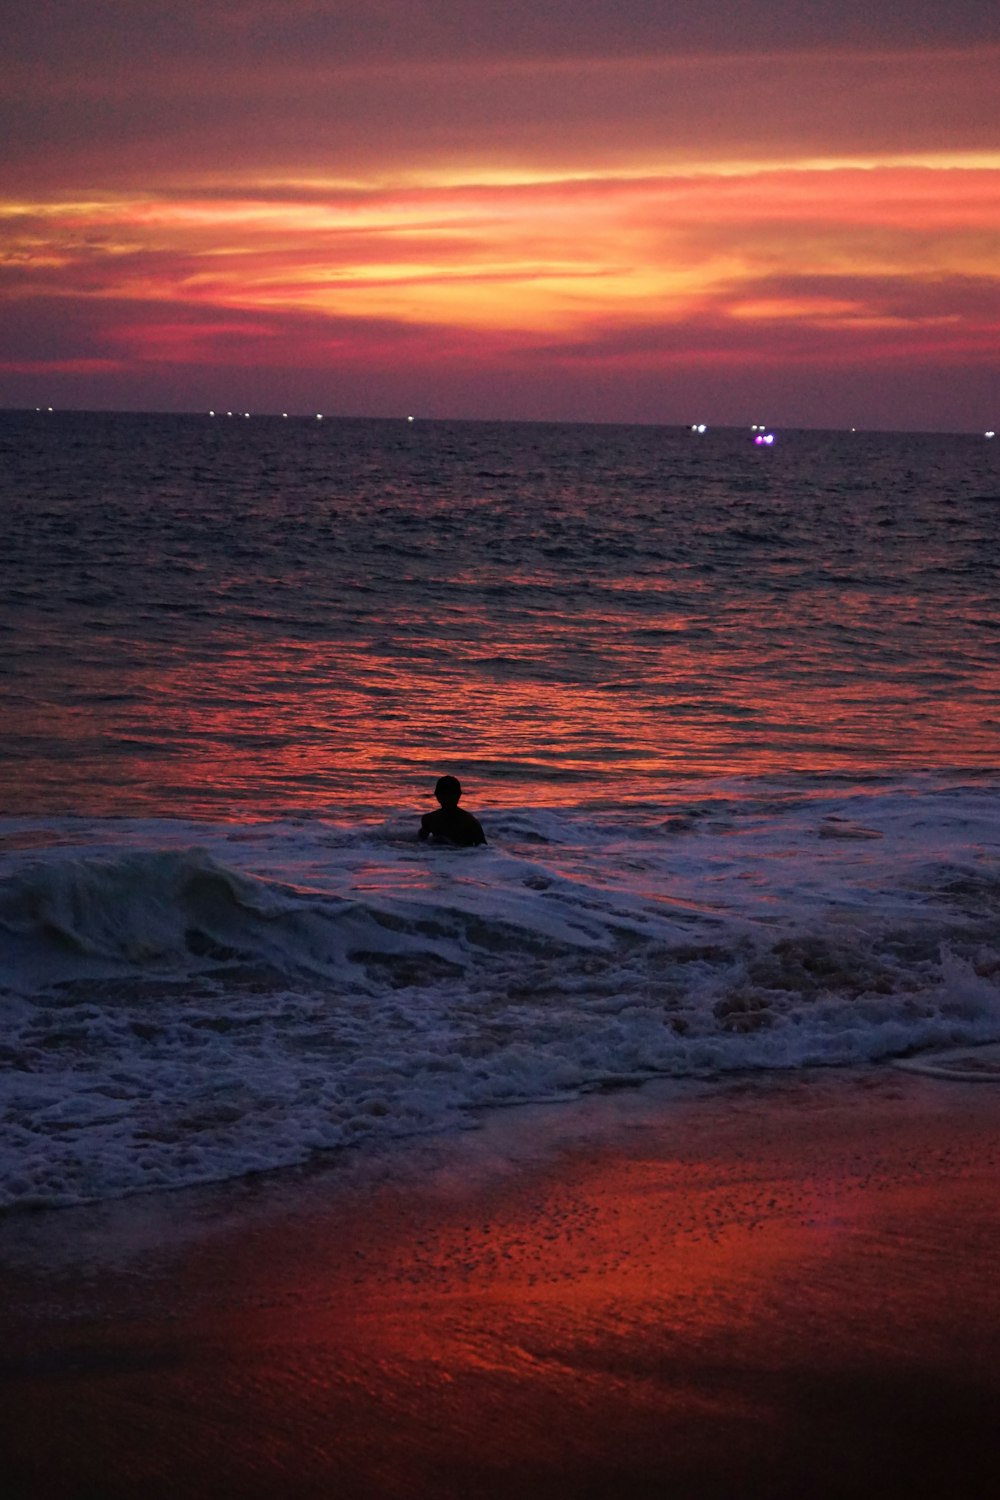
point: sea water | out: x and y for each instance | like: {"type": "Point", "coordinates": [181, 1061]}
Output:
{"type": "Point", "coordinates": [728, 712]}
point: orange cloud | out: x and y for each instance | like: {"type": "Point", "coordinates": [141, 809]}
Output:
{"type": "Point", "coordinates": [537, 259]}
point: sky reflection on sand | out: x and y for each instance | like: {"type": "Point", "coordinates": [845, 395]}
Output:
{"type": "Point", "coordinates": [683, 1293]}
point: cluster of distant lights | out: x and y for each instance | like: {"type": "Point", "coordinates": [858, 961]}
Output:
{"type": "Point", "coordinates": [762, 437]}
{"type": "Point", "coordinates": [319, 414]}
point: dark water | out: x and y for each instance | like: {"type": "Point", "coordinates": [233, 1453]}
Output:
{"type": "Point", "coordinates": [211, 615]}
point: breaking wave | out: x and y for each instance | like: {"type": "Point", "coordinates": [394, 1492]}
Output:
{"type": "Point", "coordinates": [183, 1003]}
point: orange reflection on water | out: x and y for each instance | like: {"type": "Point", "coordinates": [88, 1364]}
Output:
{"type": "Point", "coordinates": [545, 714]}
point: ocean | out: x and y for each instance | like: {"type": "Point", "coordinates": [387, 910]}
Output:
{"type": "Point", "coordinates": [729, 713]}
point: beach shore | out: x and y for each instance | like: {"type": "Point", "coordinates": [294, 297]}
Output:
{"type": "Point", "coordinates": [788, 1286]}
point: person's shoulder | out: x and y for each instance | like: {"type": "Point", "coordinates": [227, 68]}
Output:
{"type": "Point", "coordinates": [474, 827]}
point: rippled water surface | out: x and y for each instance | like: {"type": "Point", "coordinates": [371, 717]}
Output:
{"type": "Point", "coordinates": [204, 615]}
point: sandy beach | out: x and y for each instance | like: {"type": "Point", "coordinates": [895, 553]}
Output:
{"type": "Point", "coordinates": [784, 1287]}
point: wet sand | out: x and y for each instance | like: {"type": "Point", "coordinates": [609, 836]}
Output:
{"type": "Point", "coordinates": [784, 1288]}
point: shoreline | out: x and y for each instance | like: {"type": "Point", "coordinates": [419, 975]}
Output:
{"type": "Point", "coordinates": [777, 1285]}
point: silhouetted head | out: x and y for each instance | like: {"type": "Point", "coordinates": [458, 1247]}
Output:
{"type": "Point", "coordinates": [448, 791]}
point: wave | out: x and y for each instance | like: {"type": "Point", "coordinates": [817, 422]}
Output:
{"type": "Point", "coordinates": [164, 912]}
{"type": "Point", "coordinates": [183, 1003]}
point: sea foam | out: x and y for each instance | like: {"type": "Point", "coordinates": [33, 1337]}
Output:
{"type": "Point", "coordinates": [187, 1002]}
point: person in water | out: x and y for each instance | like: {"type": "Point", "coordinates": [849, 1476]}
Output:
{"type": "Point", "coordinates": [451, 824]}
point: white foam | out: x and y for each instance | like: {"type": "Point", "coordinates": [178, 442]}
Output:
{"type": "Point", "coordinates": [185, 1002]}
{"type": "Point", "coordinates": [960, 1064]}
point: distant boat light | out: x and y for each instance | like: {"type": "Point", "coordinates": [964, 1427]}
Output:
{"type": "Point", "coordinates": [409, 419]}
{"type": "Point", "coordinates": [991, 433]}
{"type": "Point", "coordinates": [698, 427]}
{"type": "Point", "coordinates": [764, 437]}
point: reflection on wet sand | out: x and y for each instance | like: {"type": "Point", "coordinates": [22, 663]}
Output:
{"type": "Point", "coordinates": [782, 1289]}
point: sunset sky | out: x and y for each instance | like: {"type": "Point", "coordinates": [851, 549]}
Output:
{"type": "Point", "coordinates": [610, 210]}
